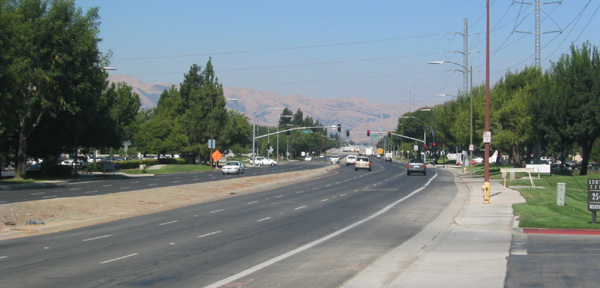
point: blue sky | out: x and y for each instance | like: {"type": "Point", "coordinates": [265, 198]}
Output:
{"type": "Point", "coordinates": [378, 50]}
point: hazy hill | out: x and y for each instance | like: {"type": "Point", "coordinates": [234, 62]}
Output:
{"type": "Point", "coordinates": [356, 114]}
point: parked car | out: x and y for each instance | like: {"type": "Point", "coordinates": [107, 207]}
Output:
{"type": "Point", "coordinates": [334, 159]}
{"type": "Point", "coordinates": [416, 165]}
{"type": "Point", "coordinates": [350, 160]}
{"type": "Point", "coordinates": [307, 158]}
{"type": "Point", "coordinates": [362, 162]}
{"type": "Point", "coordinates": [233, 167]}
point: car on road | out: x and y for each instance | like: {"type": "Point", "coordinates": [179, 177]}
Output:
{"type": "Point", "coordinates": [388, 159]}
{"type": "Point", "coordinates": [334, 159]}
{"type": "Point", "coordinates": [416, 165]}
{"type": "Point", "coordinates": [233, 167]}
{"type": "Point", "coordinates": [350, 160]}
{"type": "Point", "coordinates": [362, 162]}
{"type": "Point", "coordinates": [307, 158]}
{"type": "Point", "coordinates": [260, 161]}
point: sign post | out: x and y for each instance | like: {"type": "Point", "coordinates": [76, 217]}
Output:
{"type": "Point", "coordinates": [593, 197]}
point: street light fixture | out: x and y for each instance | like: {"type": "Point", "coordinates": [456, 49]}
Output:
{"type": "Point", "coordinates": [465, 71]}
{"type": "Point", "coordinates": [444, 95]}
{"type": "Point", "coordinates": [255, 115]}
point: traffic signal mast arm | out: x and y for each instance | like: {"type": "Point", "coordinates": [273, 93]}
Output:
{"type": "Point", "coordinates": [411, 138]}
{"type": "Point", "coordinates": [291, 129]}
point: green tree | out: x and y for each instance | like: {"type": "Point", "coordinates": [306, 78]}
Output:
{"type": "Point", "coordinates": [55, 61]}
{"type": "Point", "coordinates": [205, 113]}
{"type": "Point", "coordinates": [566, 108]}
{"type": "Point", "coordinates": [511, 117]}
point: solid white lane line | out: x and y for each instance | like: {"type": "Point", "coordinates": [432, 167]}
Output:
{"type": "Point", "coordinates": [216, 211]}
{"type": "Point", "coordinates": [120, 258]}
{"type": "Point", "coordinates": [314, 243]}
{"type": "Point", "coordinates": [263, 219]}
{"type": "Point", "coordinates": [209, 234]}
{"type": "Point", "coordinates": [96, 238]}
{"type": "Point", "coordinates": [167, 223]}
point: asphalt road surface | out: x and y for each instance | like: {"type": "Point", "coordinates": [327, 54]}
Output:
{"type": "Point", "coordinates": [539, 260]}
{"type": "Point", "coordinates": [319, 233]}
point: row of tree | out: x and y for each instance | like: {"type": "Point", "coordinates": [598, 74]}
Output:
{"type": "Point", "coordinates": [556, 112]}
{"type": "Point", "coordinates": [53, 87]}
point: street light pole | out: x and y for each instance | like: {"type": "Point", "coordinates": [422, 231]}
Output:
{"type": "Point", "coordinates": [255, 116]}
{"type": "Point", "coordinates": [470, 92]}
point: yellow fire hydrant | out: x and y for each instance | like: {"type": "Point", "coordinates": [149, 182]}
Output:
{"type": "Point", "coordinates": [486, 192]}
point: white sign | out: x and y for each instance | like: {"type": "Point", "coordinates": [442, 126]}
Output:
{"type": "Point", "coordinates": [487, 137]}
{"type": "Point", "coordinates": [211, 143]}
{"type": "Point", "coordinates": [471, 148]}
{"type": "Point", "coordinates": [416, 148]}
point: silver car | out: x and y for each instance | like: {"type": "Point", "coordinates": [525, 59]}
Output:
{"type": "Point", "coordinates": [362, 162]}
{"type": "Point", "coordinates": [233, 167]}
{"type": "Point", "coordinates": [416, 165]}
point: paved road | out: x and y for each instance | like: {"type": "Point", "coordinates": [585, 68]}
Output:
{"type": "Point", "coordinates": [539, 260]}
{"type": "Point", "coordinates": [99, 185]}
{"type": "Point", "coordinates": [315, 234]}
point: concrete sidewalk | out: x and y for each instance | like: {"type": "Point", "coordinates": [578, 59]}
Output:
{"type": "Point", "coordinates": [466, 246]}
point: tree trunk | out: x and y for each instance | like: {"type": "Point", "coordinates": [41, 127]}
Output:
{"type": "Point", "coordinates": [586, 152]}
{"type": "Point", "coordinates": [21, 169]}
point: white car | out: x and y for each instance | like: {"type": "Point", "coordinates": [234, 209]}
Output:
{"type": "Point", "coordinates": [307, 158]}
{"type": "Point", "coordinates": [350, 160]}
{"type": "Point", "coordinates": [334, 159]}
{"type": "Point", "coordinates": [233, 167]}
{"type": "Point", "coordinates": [270, 162]}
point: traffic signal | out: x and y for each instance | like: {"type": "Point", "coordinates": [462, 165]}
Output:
{"type": "Point", "coordinates": [339, 127]}
{"type": "Point", "coordinates": [347, 133]}
{"type": "Point", "coordinates": [425, 146]}
{"type": "Point", "coordinates": [389, 133]}
{"type": "Point", "coordinates": [368, 133]}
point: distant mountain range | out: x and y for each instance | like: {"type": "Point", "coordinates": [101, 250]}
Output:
{"type": "Point", "coordinates": [356, 114]}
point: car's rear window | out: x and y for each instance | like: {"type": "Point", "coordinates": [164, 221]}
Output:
{"type": "Point", "coordinates": [363, 159]}
{"type": "Point", "coordinates": [417, 160]}
{"type": "Point", "coordinates": [232, 163]}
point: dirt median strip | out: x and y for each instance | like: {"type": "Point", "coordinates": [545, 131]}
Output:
{"type": "Point", "coordinates": [60, 214]}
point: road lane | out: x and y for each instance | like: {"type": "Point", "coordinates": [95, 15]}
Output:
{"type": "Point", "coordinates": [233, 240]}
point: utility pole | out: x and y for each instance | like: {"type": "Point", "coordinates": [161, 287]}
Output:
{"type": "Point", "coordinates": [538, 8]}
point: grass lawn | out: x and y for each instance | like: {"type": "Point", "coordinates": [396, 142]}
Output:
{"type": "Point", "coordinates": [541, 210]}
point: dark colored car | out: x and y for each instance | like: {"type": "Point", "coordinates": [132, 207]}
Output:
{"type": "Point", "coordinates": [416, 165]}
{"type": "Point", "coordinates": [388, 159]}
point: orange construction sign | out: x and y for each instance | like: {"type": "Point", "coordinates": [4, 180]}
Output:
{"type": "Point", "coordinates": [217, 156]}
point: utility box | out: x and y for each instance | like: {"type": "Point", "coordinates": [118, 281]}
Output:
{"type": "Point", "coordinates": [561, 189]}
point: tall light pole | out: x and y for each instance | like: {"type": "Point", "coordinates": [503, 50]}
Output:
{"type": "Point", "coordinates": [211, 141]}
{"type": "Point", "coordinates": [284, 125]}
{"type": "Point", "coordinates": [424, 133]}
{"type": "Point", "coordinates": [255, 115]}
{"type": "Point", "coordinates": [470, 92]}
